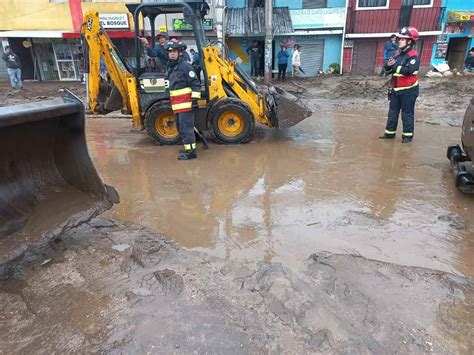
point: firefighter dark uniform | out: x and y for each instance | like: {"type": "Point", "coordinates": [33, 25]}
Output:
{"type": "Point", "coordinates": [404, 88]}
{"type": "Point", "coordinates": [184, 88]}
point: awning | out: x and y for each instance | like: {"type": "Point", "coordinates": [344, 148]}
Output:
{"type": "Point", "coordinates": [251, 22]}
{"type": "Point", "coordinates": [460, 16]}
{"type": "Point", "coordinates": [59, 34]}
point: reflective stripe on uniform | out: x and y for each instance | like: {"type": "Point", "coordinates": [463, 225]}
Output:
{"type": "Point", "coordinates": [414, 73]}
{"type": "Point", "coordinates": [196, 95]}
{"type": "Point", "coordinates": [390, 132]}
{"type": "Point", "coordinates": [189, 146]}
{"type": "Point", "coordinates": [398, 69]}
{"type": "Point", "coordinates": [407, 134]}
{"type": "Point", "coordinates": [406, 87]}
{"type": "Point", "coordinates": [181, 106]}
{"type": "Point", "coordinates": [180, 92]}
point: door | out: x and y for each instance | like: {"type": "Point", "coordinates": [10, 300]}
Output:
{"type": "Point", "coordinates": [312, 55]}
{"type": "Point", "coordinates": [45, 55]}
{"type": "Point", "coordinates": [65, 61]}
{"type": "Point", "coordinates": [456, 53]}
{"type": "Point", "coordinates": [363, 58]}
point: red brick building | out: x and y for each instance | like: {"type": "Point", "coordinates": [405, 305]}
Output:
{"type": "Point", "coordinates": [370, 23]}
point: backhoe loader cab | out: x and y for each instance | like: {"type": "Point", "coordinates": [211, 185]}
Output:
{"type": "Point", "coordinates": [231, 102]}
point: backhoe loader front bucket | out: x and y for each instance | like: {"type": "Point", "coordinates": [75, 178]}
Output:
{"type": "Point", "coordinates": [286, 110]}
{"type": "Point", "coordinates": [47, 180]}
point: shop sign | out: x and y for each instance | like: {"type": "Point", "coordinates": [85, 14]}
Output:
{"type": "Point", "coordinates": [460, 16]}
{"type": "Point", "coordinates": [114, 20]}
{"type": "Point", "coordinates": [318, 18]}
{"type": "Point", "coordinates": [180, 24]}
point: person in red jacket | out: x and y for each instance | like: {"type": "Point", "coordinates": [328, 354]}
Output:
{"type": "Point", "coordinates": [404, 85]}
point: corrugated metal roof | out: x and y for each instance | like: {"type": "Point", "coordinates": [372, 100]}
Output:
{"type": "Point", "coordinates": [251, 22]}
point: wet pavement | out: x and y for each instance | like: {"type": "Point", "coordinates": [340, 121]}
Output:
{"type": "Point", "coordinates": [327, 184]}
{"type": "Point", "coordinates": [316, 239]}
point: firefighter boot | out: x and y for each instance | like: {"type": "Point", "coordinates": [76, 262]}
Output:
{"type": "Point", "coordinates": [387, 136]}
{"type": "Point", "coordinates": [407, 139]}
{"type": "Point", "coordinates": [187, 154]}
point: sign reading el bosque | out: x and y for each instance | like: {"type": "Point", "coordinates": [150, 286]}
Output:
{"type": "Point", "coordinates": [114, 20]}
{"type": "Point", "coordinates": [180, 24]}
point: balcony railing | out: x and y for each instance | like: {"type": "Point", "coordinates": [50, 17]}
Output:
{"type": "Point", "coordinates": [391, 20]}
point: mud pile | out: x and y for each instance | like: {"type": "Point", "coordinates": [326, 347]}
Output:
{"type": "Point", "coordinates": [367, 89]}
{"type": "Point", "coordinates": [128, 289]}
{"type": "Point", "coordinates": [38, 91]}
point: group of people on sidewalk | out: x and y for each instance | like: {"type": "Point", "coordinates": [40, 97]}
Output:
{"type": "Point", "coordinates": [255, 54]}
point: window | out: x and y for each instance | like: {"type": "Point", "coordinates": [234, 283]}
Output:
{"type": "Point", "coordinates": [372, 3]}
{"type": "Point", "coordinates": [314, 4]}
{"type": "Point", "coordinates": [417, 2]}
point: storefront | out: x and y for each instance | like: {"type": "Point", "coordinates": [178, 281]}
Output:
{"type": "Point", "coordinates": [453, 45]}
{"type": "Point", "coordinates": [58, 55]}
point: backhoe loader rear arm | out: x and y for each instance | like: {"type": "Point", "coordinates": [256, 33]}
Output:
{"type": "Point", "coordinates": [100, 45]}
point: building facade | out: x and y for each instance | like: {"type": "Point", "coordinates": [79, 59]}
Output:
{"type": "Point", "coordinates": [453, 45]}
{"type": "Point", "coordinates": [371, 22]}
{"type": "Point", "coordinates": [316, 25]}
{"type": "Point", "coordinates": [46, 36]}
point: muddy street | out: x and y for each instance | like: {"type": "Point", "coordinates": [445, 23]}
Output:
{"type": "Point", "coordinates": [319, 238]}
{"type": "Point", "coordinates": [326, 184]}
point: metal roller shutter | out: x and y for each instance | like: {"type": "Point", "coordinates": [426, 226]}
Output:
{"type": "Point", "coordinates": [314, 4]}
{"type": "Point", "coordinates": [312, 54]}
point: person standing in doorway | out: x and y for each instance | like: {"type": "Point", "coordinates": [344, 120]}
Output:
{"type": "Point", "coordinates": [13, 67]}
{"type": "Point", "coordinates": [296, 60]}
{"type": "Point", "coordinates": [389, 50]}
{"type": "Point", "coordinates": [469, 62]}
{"type": "Point", "coordinates": [404, 85]}
{"type": "Point", "coordinates": [255, 53]}
{"type": "Point", "coordinates": [282, 62]}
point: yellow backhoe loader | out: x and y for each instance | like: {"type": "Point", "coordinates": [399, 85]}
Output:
{"type": "Point", "coordinates": [231, 102]}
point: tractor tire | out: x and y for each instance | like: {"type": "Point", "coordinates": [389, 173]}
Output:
{"type": "Point", "coordinates": [160, 124]}
{"type": "Point", "coordinates": [232, 122]}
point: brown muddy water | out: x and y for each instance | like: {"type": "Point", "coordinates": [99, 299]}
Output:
{"type": "Point", "coordinates": [327, 184]}
{"type": "Point", "coordinates": [316, 239]}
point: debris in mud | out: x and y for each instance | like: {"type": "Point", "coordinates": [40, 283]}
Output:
{"type": "Point", "coordinates": [455, 221]}
{"type": "Point", "coordinates": [174, 298]}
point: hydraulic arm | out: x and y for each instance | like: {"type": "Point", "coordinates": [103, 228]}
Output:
{"type": "Point", "coordinates": [100, 46]}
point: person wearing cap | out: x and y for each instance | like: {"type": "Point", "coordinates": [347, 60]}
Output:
{"type": "Point", "coordinates": [160, 51]}
{"type": "Point", "coordinates": [404, 87]}
{"type": "Point", "coordinates": [184, 88]}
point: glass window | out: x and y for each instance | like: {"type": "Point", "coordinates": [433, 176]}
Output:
{"type": "Point", "coordinates": [314, 4]}
{"type": "Point", "coordinates": [416, 2]}
{"type": "Point", "coordinates": [373, 3]}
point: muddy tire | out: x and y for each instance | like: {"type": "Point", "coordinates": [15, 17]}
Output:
{"type": "Point", "coordinates": [232, 122]}
{"type": "Point", "coordinates": [160, 124]}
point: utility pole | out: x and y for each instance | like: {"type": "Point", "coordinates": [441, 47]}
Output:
{"type": "Point", "coordinates": [268, 40]}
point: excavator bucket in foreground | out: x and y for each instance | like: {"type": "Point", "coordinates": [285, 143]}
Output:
{"type": "Point", "coordinates": [286, 110]}
{"type": "Point", "coordinates": [47, 180]}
